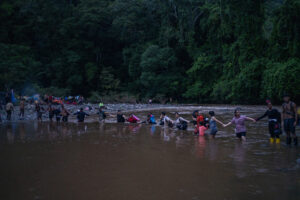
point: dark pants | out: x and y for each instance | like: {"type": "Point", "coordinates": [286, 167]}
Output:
{"type": "Point", "coordinates": [289, 126]}
{"type": "Point", "coordinates": [22, 112]}
{"type": "Point", "coordinates": [274, 129]}
{"type": "Point", "coordinates": [8, 115]}
{"type": "Point", "coordinates": [65, 119]}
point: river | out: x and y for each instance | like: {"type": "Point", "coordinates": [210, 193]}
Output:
{"type": "Point", "coordinates": [44, 160]}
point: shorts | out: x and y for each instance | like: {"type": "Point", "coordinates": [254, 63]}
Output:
{"type": "Point", "coordinates": [240, 134]}
{"type": "Point", "coordinates": [213, 131]}
{"type": "Point", "coordinates": [289, 125]}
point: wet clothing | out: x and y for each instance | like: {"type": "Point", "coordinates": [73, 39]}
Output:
{"type": "Point", "coordinates": [213, 127]}
{"type": "Point", "coordinates": [195, 115]}
{"type": "Point", "coordinates": [240, 134]}
{"type": "Point", "coordinates": [289, 125]}
{"type": "Point", "coordinates": [65, 115]}
{"type": "Point", "coordinates": [289, 116]}
{"type": "Point", "coordinates": [166, 121]}
{"type": "Point", "coordinates": [151, 119]}
{"type": "Point", "coordinates": [81, 115]}
{"type": "Point", "coordinates": [181, 123]}
{"type": "Point", "coordinates": [200, 120]}
{"type": "Point", "coordinates": [133, 119]}
{"type": "Point", "coordinates": [51, 112]}
{"type": "Point", "coordinates": [22, 109]}
{"type": "Point", "coordinates": [102, 115]}
{"type": "Point", "coordinates": [57, 114]}
{"type": "Point", "coordinates": [9, 108]}
{"type": "Point", "coordinates": [239, 124]}
{"type": "Point", "coordinates": [202, 130]}
{"type": "Point", "coordinates": [120, 118]}
{"type": "Point", "coordinates": [274, 121]}
{"type": "Point", "coordinates": [288, 110]}
{"type": "Point", "coordinates": [8, 117]}
{"type": "Point", "coordinates": [38, 110]}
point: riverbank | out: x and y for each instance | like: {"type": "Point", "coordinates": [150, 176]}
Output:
{"type": "Point", "coordinates": [139, 109]}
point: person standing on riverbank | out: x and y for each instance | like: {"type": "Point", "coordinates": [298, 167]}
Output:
{"type": "Point", "coordinates": [289, 119]}
{"type": "Point", "coordinates": [274, 122]}
{"type": "Point", "coordinates": [240, 127]}
{"type": "Point", "coordinates": [9, 109]}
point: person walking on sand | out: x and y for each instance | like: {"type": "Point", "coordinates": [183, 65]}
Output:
{"type": "Point", "coordinates": [240, 127]}
{"type": "Point", "coordinates": [289, 119]}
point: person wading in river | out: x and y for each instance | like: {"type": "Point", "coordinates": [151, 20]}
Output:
{"type": "Point", "coordinates": [289, 119]}
{"type": "Point", "coordinates": [240, 127]}
{"type": "Point", "coordinates": [274, 122]}
{"type": "Point", "coordinates": [22, 109]}
{"type": "Point", "coordinates": [213, 124]}
{"type": "Point", "coordinates": [9, 109]}
{"type": "Point", "coordinates": [81, 115]}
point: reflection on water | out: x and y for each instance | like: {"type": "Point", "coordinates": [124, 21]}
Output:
{"type": "Point", "coordinates": [42, 160]}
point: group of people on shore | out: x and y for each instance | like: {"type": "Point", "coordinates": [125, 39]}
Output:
{"type": "Point", "coordinates": [288, 119]}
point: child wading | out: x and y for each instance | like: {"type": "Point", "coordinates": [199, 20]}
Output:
{"type": "Point", "coordinates": [213, 125]}
{"type": "Point", "coordinates": [274, 122]}
{"type": "Point", "coordinates": [289, 119]}
{"type": "Point", "coordinates": [239, 121]}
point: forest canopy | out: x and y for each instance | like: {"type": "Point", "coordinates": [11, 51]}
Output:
{"type": "Point", "coordinates": [205, 51]}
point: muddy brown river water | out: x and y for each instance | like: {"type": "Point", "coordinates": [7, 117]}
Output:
{"type": "Point", "coordinates": [114, 161]}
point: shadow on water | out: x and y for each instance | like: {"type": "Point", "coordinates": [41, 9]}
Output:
{"type": "Point", "coordinates": [43, 160]}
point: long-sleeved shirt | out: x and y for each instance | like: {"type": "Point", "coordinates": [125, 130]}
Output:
{"type": "Point", "coordinates": [81, 115]}
{"type": "Point", "coordinates": [272, 114]}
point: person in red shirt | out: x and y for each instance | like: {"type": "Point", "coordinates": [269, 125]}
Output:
{"type": "Point", "coordinates": [200, 122]}
{"type": "Point", "coordinates": [133, 119]}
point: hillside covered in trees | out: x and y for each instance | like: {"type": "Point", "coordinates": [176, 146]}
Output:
{"type": "Point", "coordinates": [207, 51]}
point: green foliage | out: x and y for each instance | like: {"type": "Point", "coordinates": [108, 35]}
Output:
{"type": "Point", "coordinates": [280, 78]}
{"type": "Point", "coordinates": [196, 51]}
